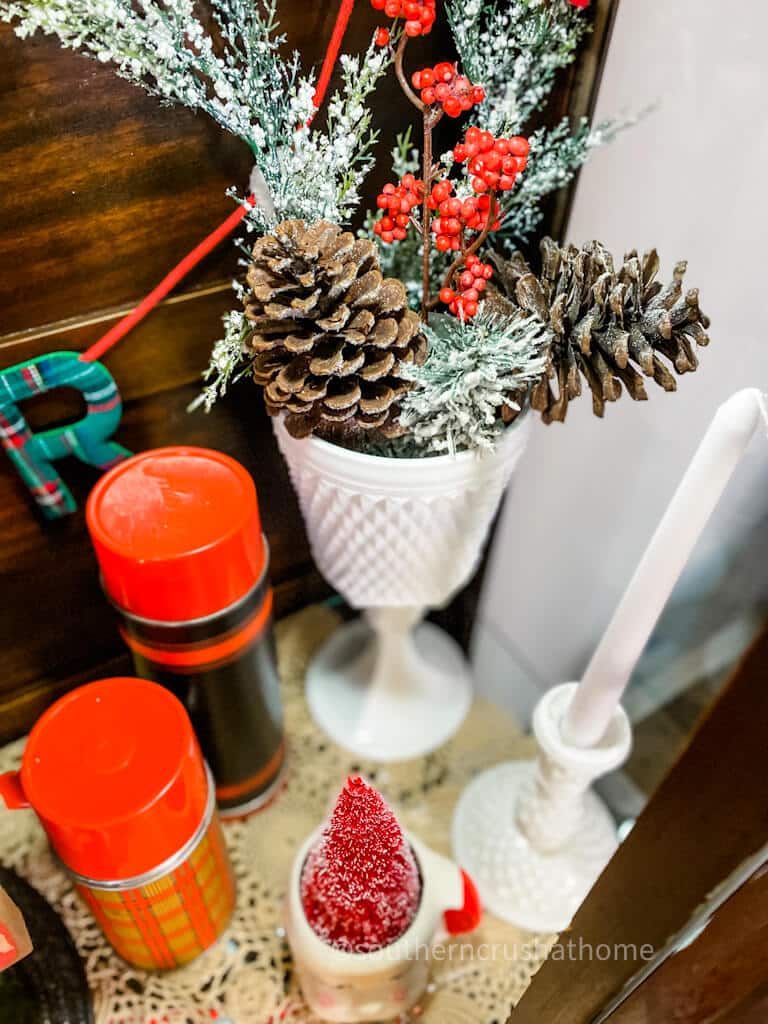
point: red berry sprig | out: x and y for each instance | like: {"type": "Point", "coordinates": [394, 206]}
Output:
{"type": "Point", "coordinates": [448, 227]}
{"type": "Point", "coordinates": [463, 221]}
{"type": "Point", "coordinates": [419, 14]}
{"type": "Point", "coordinates": [459, 215]}
{"type": "Point", "coordinates": [397, 201]}
{"type": "Point", "coordinates": [493, 163]}
{"type": "Point", "coordinates": [443, 84]}
{"type": "Point", "coordinates": [465, 299]}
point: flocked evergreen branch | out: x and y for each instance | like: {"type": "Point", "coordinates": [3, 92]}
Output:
{"type": "Point", "coordinates": [515, 50]}
{"type": "Point", "coordinates": [555, 158]}
{"type": "Point", "coordinates": [315, 174]}
{"type": "Point", "coordinates": [474, 368]}
{"type": "Point", "coordinates": [228, 362]}
{"type": "Point", "coordinates": [162, 46]}
{"type": "Point", "coordinates": [240, 80]}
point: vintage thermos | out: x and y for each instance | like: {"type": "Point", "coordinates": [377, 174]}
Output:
{"type": "Point", "coordinates": [115, 774]}
{"type": "Point", "coordinates": [178, 537]}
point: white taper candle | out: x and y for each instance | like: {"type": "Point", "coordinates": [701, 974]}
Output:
{"type": "Point", "coordinates": [613, 662]}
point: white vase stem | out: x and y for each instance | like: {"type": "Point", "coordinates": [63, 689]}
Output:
{"type": "Point", "coordinates": [395, 656]}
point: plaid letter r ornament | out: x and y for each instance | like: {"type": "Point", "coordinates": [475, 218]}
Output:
{"type": "Point", "coordinates": [88, 439]}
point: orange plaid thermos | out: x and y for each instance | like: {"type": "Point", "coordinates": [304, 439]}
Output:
{"type": "Point", "coordinates": [115, 774]}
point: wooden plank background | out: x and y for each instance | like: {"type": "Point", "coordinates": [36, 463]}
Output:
{"type": "Point", "coordinates": [102, 190]}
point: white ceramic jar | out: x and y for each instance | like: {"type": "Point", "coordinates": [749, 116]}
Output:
{"type": "Point", "coordinates": [348, 987]}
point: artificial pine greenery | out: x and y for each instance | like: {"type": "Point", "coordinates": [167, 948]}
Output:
{"type": "Point", "coordinates": [516, 50]}
{"type": "Point", "coordinates": [580, 318]}
{"type": "Point", "coordinates": [475, 369]}
{"type": "Point", "coordinates": [237, 75]}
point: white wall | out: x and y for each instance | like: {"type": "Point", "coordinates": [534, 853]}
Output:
{"type": "Point", "coordinates": [693, 181]}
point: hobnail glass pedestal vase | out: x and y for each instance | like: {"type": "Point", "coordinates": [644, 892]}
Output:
{"type": "Point", "coordinates": [395, 537]}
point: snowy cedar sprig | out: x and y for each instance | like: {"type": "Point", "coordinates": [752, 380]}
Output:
{"type": "Point", "coordinates": [515, 50]}
{"type": "Point", "coordinates": [229, 358]}
{"type": "Point", "coordinates": [238, 77]}
{"type": "Point", "coordinates": [317, 175]}
{"type": "Point", "coordinates": [556, 155]}
{"type": "Point", "coordinates": [474, 368]}
{"type": "Point", "coordinates": [163, 47]}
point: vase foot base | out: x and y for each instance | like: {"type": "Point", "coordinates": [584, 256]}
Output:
{"type": "Point", "coordinates": [535, 891]}
{"type": "Point", "coordinates": [398, 723]}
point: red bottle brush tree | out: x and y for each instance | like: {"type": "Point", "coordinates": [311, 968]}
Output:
{"type": "Point", "coordinates": [455, 216]}
{"type": "Point", "coordinates": [360, 887]}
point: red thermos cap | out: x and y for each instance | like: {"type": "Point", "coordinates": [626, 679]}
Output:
{"type": "Point", "coordinates": [115, 774]}
{"type": "Point", "coordinates": [177, 533]}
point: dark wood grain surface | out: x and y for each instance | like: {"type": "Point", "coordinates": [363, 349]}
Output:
{"type": "Point", "coordinates": [102, 191]}
{"type": "Point", "coordinates": [721, 977]}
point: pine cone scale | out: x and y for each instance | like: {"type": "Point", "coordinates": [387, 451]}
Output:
{"type": "Point", "coordinates": [383, 334]}
{"type": "Point", "coordinates": [376, 368]}
{"type": "Point", "coordinates": [291, 378]}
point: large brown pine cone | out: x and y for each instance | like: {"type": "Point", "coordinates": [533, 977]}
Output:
{"type": "Point", "coordinates": [329, 331]}
{"type": "Point", "coordinates": [610, 326]}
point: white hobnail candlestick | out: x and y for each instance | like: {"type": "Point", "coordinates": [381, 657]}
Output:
{"type": "Point", "coordinates": [533, 835]}
{"type": "Point", "coordinates": [395, 537]}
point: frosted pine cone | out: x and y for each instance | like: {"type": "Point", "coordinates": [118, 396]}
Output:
{"type": "Point", "coordinates": [609, 326]}
{"type": "Point", "coordinates": [329, 331]}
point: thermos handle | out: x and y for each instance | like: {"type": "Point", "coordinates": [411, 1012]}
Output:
{"type": "Point", "coordinates": [11, 792]}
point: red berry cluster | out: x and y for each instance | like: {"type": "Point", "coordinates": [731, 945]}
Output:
{"type": "Point", "coordinates": [397, 201]}
{"type": "Point", "coordinates": [493, 163]}
{"type": "Point", "coordinates": [419, 14]}
{"type": "Point", "coordinates": [464, 301]}
{"type": "Point", "coordinates": [443, 84]}
{"type": "Point", "coordinates": [458, 215]}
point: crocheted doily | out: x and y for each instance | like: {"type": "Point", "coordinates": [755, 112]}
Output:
{"type": "Point", "coordinates": [248, 975]}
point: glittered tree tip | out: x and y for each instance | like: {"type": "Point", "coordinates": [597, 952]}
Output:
{"type": "Point", "coordinates": [360, 887]}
